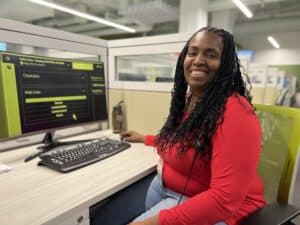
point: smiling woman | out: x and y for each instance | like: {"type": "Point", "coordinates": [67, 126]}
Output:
{"type": "Point", "coordinates": [210, 143]}
{"type": "Point", "coordinates": [202, 61]}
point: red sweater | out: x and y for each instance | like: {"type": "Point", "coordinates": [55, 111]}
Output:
{"type": "Point", "coordinates": [225, 188]}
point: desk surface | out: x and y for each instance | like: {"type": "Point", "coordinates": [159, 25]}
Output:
{"type": "Point", "coordinates": [35, 195]}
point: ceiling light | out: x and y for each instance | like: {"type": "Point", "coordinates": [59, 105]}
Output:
{"type": "Point", "coordinates": [243, 8]}
{"type": "Point", "coordinates": [273, 42]}
{"type": "Point", "coordinates": [83, 15]}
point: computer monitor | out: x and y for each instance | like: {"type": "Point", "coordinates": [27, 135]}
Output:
{"type": "Point", "coordinates": [43, 94]}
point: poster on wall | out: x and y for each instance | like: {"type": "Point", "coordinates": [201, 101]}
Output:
{"type": "Point", "coordinates": [280, 79]}
{"type": "Point", "coordinates": [272, 76]}
{"type": "Point", "coordinates": [258, 75]}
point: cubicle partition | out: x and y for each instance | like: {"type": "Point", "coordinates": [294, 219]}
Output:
{"type": "Point", "coordinates": [141, 73]}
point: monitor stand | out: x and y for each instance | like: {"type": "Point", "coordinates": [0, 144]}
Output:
{"type": "Point", "coordinates": [50, 143]}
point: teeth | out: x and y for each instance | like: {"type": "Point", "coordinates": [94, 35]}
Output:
{"type": "Point", "coordinates": [199, 73]}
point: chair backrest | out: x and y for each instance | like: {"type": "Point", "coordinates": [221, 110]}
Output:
{"type": "Point", "coordinates": [281, 142]}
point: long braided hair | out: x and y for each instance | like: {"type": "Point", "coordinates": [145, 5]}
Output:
{"type": "Point", "coordinates": [200, 126]}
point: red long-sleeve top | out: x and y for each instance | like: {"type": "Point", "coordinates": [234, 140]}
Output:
{"type": "Point", "coordinates": [224, 188]}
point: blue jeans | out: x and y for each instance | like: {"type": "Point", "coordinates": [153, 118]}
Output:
{"type": "Point", "coordinates": [159, 198]}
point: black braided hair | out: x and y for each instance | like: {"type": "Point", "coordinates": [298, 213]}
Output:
{"type": "Point", "coordinates": [208, 112]}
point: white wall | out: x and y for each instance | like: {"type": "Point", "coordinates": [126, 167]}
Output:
{"type": "Point", "coordinates": [264, 53]}
{"type": "Point", "coordinates": [277, 56]}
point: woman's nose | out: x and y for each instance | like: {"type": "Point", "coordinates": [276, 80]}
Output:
{"type": "Point", "coordinates": [199, 60]}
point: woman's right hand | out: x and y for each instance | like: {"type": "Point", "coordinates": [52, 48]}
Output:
{"type": "Point", "coordinates": [132, 136]}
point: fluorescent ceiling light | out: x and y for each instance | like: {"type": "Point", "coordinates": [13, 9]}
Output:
{"type": "Point", "coordinates": [243, 8]}
{"type": "Point", "coordinates": [273, 42]}
{"type": "Point", "coordinates": [83, 15]}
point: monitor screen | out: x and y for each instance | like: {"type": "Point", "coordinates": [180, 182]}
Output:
{"type": "Point", "coordinates": [42, 93]}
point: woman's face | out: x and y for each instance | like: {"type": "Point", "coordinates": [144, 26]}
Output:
{"type": "Point", "coordinates": [202, 61]}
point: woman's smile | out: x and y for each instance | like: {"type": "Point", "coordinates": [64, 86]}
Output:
{"type": "Point", "coordinates": [198, 73]}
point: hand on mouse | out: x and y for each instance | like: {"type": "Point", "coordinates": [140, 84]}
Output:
{"type": "Point", "coordinates": [132, 136]}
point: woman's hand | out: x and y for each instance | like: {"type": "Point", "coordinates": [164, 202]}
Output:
{"type": "Point", "coordinates": [151, 221]}
{"type": "Point", "coordinates": [137, 223]}
{"type": "Point", "coordinates": [132, 136]}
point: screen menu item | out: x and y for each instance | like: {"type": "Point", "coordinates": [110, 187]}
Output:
{"type": "Point", "coordinates": [41, 93]}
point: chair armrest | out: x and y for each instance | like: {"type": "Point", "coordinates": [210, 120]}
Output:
{"type": "Point", "coordinates": [272, 214]}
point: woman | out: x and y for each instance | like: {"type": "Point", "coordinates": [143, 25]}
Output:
{"type": "Point", "coordinates": [210, 143]}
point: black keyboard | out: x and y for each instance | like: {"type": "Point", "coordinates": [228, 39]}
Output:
{"type": "Point", "coordinates": [73, 157]}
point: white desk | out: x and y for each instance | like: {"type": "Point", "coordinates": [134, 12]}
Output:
{"type": "Point", "coordinates": [35, 195]}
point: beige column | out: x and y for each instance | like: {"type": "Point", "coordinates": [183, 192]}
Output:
{"type": "Point", "coordinates": [192, 15]}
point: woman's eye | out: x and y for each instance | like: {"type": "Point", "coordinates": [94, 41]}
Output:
{"type": "Point", "coordinates": [191, 53]}
{"type": "Point", "coordinates": [211, 54]}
